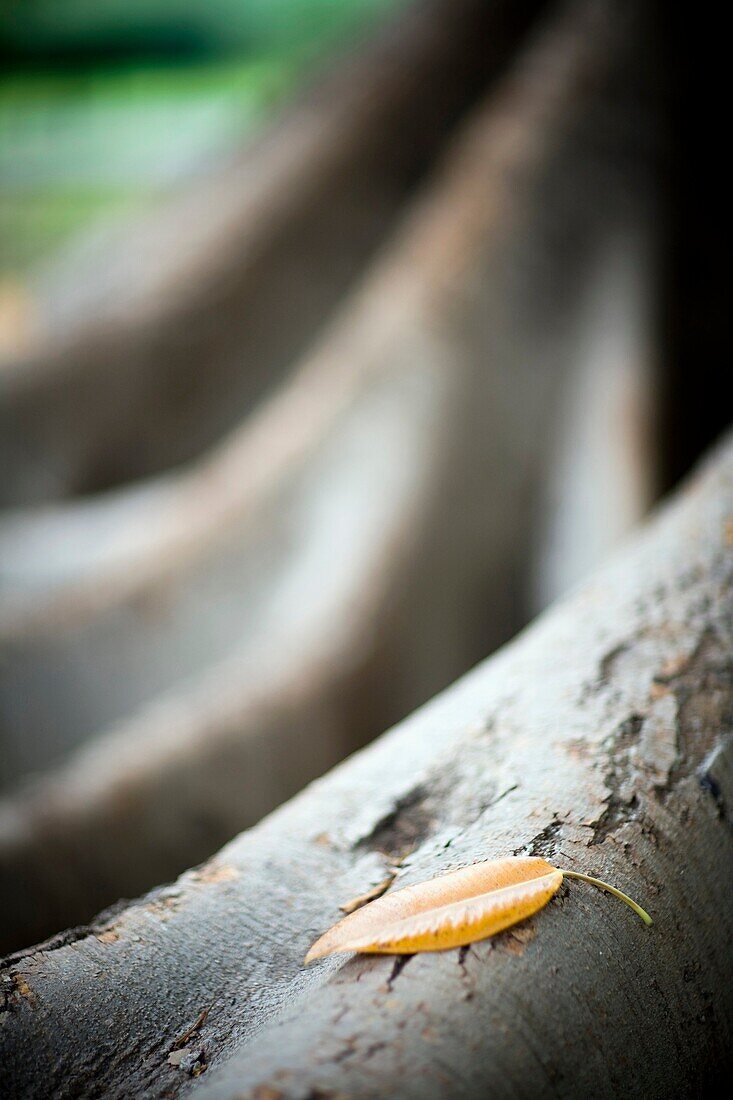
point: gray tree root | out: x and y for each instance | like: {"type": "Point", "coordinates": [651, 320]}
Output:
{"type": "Point", "coordinates": [203, 648]}
{"type": "Point", "coordinates": [601, 739]}
{"type": "Point", "coordinates": [153, 345]}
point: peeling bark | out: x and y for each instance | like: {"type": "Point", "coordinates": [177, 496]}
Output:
{"type": "Point", "coordinates": [559, 746]}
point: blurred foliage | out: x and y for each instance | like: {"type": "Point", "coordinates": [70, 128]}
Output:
{"type": "Point", "coordinates": [105, 104]}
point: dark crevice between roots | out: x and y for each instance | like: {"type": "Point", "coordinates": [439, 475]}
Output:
{"type": "Point", "coordinates": [69, 936]}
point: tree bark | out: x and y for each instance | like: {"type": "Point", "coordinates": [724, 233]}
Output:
{"type": "Point", "coordinates": [600, 739]}
{"type": "Point", "coordinates": [195, 696]}
{"type": "Point", "coordinates": [603, 469]}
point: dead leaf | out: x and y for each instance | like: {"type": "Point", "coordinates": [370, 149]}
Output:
{"type": "Point", "coordinates": [362, 899]}
{"type": "Point", "coordinates": [448, 911]}
{"type": "Point", "coordinates": [454, 909]}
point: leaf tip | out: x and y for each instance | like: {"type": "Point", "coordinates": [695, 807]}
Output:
{"type": "Point", "coordinates": [319, 950]}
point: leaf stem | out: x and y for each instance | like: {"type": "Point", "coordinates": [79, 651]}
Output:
{"type": "Point", "coordinates": [611, 890]}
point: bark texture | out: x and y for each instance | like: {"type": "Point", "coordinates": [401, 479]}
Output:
{"type": "Point", "coordinates": [198, 651]}
{"type": "Point", "coordinates": [602, 738]}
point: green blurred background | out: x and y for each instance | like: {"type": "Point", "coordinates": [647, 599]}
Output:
{"type": "Point", "coordinates": [106, 105]}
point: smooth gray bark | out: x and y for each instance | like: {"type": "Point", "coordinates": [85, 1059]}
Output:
{"type": "Point", "coordinates": [601, 739]}
{"type": "Point", "coordinates": [197, 644]}
{"type": "Point", "coordinates": [156, 343]}
{"type": "Point", "coordinates": [603, 471]}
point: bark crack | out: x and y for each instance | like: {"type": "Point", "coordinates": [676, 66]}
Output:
{"type": "Point", "coordinates": [622, 801]}
{"type": "Point", "coordinates": [399, 965]}
{"type": "Point", "coordinates": [704, 693]}
{"type": "Point", "coordinates": [405, 826]}
{"type": "Point", "coordinates": [545, 843]}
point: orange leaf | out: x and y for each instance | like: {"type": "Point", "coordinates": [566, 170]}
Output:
{"type": "Point", "coordinates": [454, 909]}
{"type": "Point", "coordinates": [448, 911]}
